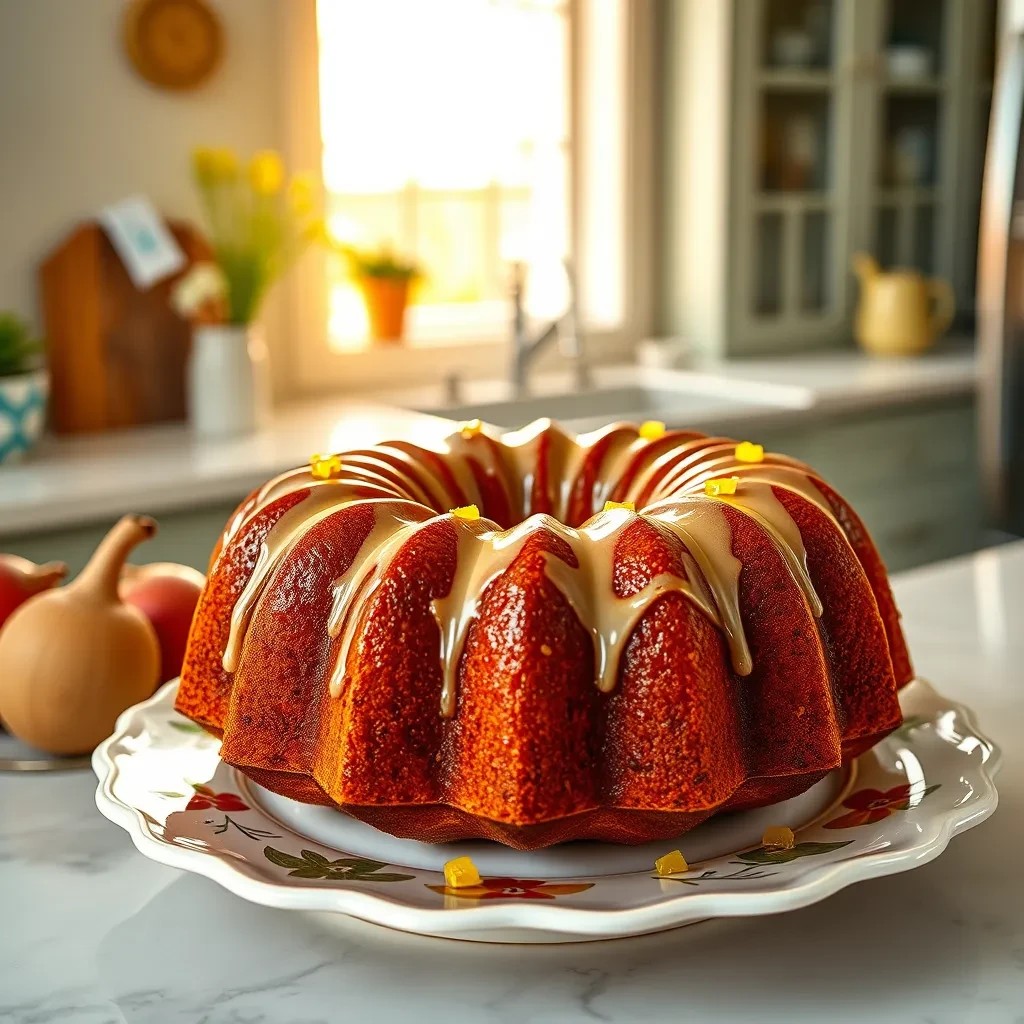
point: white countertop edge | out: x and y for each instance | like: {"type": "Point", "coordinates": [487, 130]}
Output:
{"type": "Point", "coordinates": [70, 482]}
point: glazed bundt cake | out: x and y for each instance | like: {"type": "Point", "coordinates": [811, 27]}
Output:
{"type": "Point", "coordinates": [535, 637]}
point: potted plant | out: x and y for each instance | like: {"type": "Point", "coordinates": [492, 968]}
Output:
{"type": "Point", "coordinates": [24, 388]}
{"type": "Point", "coordinates": [258, 224]}
{"type": "Point", "coordinates": [385, 281]}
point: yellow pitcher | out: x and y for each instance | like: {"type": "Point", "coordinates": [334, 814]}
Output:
{"type": "Point", "coordinates": [901, 312]}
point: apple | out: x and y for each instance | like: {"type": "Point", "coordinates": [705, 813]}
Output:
{"type": "Point", "coordinates": [21, 579]}
{"type": "Point", "coordinates": [167, 594]}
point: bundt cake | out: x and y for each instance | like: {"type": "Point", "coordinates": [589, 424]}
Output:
{"type": "Point", "coordinates": [536, 637]}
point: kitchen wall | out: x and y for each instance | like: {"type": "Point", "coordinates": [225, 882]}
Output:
{"type": "Point", "coordinates": [79, 128]}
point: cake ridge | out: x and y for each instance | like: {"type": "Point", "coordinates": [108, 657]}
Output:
{"type": "Point", "coordinates": [712, 553]}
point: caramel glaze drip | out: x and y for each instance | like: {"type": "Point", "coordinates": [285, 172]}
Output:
{"type": "Point", "coordinates": [536, 470]}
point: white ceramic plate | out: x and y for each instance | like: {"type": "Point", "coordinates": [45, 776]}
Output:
{"type": "Point", "coordinates": [897, 807]}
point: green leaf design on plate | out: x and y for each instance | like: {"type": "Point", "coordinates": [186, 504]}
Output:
{"type": "Point", "coordinates": [169, 793]}
{"type": "Point", "coordinates": [310, 864]}
{"type": "Point", "coordinates": [768, 855]}
{"type": "Point", "coordinates": [282, 860]}
{"type": "Point", "coordinates": [310, 872]}
{"type": "Point", "coordinates": [360, 867]}
{"type": "Point", "coordinates": [189, 727]}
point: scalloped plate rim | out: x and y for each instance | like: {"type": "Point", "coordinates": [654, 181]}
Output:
{"type": "Point", "coordinates": [813, 883]}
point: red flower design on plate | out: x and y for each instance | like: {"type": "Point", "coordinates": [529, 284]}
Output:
{"type": "Point", "coordinates": [871, 805]}
{"type": "Point", "coordinates": [205, 798]}
{"type": "Point", "coordinates": [513, 888]}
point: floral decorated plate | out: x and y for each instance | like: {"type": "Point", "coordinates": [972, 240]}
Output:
{"type": "Point", "coordinates": [895, 808]}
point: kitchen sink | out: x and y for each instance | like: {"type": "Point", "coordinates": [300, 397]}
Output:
{"type": "Point", "coordinates": [678, 398]}
{"type": "Point", "coordinates": [577, 410]}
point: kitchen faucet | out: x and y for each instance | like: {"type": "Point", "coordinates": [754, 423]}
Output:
{"type": "Point", "coordinates": [566, 328]}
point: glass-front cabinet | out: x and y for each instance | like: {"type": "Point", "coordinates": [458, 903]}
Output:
{"type": "Point", "coordinates": [855, 125]}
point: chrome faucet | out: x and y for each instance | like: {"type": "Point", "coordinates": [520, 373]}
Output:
{"type": "Point", "coordinates": [566, 329]}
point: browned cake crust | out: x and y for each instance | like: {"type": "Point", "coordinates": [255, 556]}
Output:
{"type": "Point", "coordinates": [551, 669]}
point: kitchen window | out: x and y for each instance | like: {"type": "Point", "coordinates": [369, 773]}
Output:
{"type": "Point", "coordinates": [499, 131]}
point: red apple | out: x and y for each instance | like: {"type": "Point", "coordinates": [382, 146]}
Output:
{"type": "Point", "coordinates": [167, 594]}
{"type": "Point", "coordinates": [21, 579]}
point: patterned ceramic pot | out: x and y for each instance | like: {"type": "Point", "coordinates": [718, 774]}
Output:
{"type": "Point", "coordinates": [22, 412]}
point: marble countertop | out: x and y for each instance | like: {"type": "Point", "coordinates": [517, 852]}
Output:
{"type": "Point", "coordinates": [70, 481]}
{"type": "Point", "coordinates": [93, 933]}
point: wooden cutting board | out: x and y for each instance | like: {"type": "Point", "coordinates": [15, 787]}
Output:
{"type": "Point", "coordinates": [117, 355]}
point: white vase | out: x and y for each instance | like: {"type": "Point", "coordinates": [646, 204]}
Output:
{"type": "Point", "coordinates": [228, 381]}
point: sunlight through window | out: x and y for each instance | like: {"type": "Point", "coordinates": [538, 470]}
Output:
{"type": "Point", "coordinates": [455, 152]}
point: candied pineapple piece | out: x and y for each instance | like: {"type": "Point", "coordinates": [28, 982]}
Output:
{"type": "Point", "coordinates": [466, 512]}
{"type": "Point", "coordinates": [778, 837]}
{"type": "Point", "coordinates": [721, 485]}
{"type": "Point", "coordinates": [673, 863]}
{"type": "Point", "coordinates": [460, 873]}
{"type": "Point", "coordinates": [323, 467]}
{"type": "Point", "coordinates": [610, 506]}
{"type": "Point", "coordinates": [651, 430]}
{"type": "Point", "coordinates": [747, 451]}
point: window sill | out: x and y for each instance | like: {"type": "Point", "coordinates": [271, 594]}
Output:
{"type": "Point", "coordinates": [391, 365]}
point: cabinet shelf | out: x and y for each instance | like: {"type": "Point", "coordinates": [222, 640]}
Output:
{"type": "Point", "coordinates": [930, 86]}
{"type": "Point", "coordinates": [795, 199]}
{"type": "Point", "coordinates": [916, 194]}
{"type": "Point", "coordinates": [796, 79]}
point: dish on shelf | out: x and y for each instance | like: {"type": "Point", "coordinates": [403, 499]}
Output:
{"type": "Point", "coordinates": [162, 780]}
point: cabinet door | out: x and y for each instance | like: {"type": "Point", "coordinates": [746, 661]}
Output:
{"type": "Point", "coordinates": [910, 474]}
{"type": "Point", "coordinates": [920, 117]}
{"type": "Point", "coordinates": [791, 175]}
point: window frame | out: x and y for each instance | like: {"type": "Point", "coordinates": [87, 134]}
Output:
{"type": "Point", "coordinates": [312, 367]}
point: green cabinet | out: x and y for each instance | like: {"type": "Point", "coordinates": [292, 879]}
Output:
{"type": "Point", "coordinates": [910, 474]}
{"type": "Point", "coordinates": [186, 537]}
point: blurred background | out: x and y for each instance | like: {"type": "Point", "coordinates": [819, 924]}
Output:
{"type": "Point", "coordinates": [240, 231]}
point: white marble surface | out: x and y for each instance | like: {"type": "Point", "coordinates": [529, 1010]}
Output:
{"type": "Point", "coordinates": [93, 933]}
{"type": "Point", "coordinates": [70, 481]}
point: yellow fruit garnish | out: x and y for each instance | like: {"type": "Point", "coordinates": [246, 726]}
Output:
{"type": "Point", "coordinates": [779, 837]}
{"type": "Point", "coordinates": [627, 505]}
{"type": "Point", "coordinates": [460, 873]}
{"type": "Point", "coordinates": [722, 485]}
{"type": "Point", "coordinates": [673, 863]}
{"type": "Point", "coordinates": [466, 512]}
{"type": "Point", "coordinates": [323, 467]}
{"type": "Point", "coordinates": [471, 428]}
{"type": "Point", "coordinates": [747, 451]}
{"type": "Point", "coordinates": [651, 430]}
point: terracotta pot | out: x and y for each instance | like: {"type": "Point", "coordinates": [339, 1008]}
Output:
{"type": "Point", "coordinates": [386, 299]}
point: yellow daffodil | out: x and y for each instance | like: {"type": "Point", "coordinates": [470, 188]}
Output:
{"type": "Point", "coordinates": [225, 164]}
{"type": "Point", "coordinates": [203, 164]}
{"type": "Point", "coordinates": [314, 231]}
{"type": "Point", "coordinates": [212, 166]}
{"type": "Point", "coordinates": [301, 190]}
{"type": "Point", "coordinates": [255, 232]}
{"type": "Point", "coordinates": [266, 173]}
